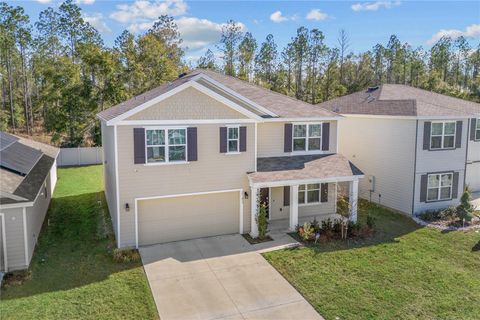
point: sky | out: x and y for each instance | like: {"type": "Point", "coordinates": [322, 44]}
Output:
{"type": "Point", "coordinates": [420, 23]}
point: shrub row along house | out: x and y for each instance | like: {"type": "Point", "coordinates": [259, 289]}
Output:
{"type": "Point", "coordinates": [419, 149]}
{"type": "Point", "coordinates": [194, 157]}
{"type": "Point", "coordinates": [28, 173]}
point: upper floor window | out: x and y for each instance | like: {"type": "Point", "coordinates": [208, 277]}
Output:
{"type": "Point", "coordinates": [309, 193]}
{"type": "Point", "coordinates": [166, 145]}
{"type": "Point", "coordinates": [439, 186]}
{"type": "Point", "coordinates": [443, 135]}
{"type": "Point", "coordinates": [307, 137]}
{"type": "Point", "coordinates": [477, 129]}
{"type": "Point", "coordinates": [233, 139]}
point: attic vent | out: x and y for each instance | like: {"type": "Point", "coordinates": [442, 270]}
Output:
{"type": "Point", "coordinates": [371, 89]}
{"type": "Point", "coordinates": [181, 75]}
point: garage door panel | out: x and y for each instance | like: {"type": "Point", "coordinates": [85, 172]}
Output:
{"type": "Point", "coordinates": [187, 217]}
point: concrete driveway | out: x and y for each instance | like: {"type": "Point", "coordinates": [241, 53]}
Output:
{"type": "Point", "coordinates": [219, 278]}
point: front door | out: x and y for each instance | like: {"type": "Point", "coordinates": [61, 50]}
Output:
{"type": "Point", "coordinates": [264, 198]}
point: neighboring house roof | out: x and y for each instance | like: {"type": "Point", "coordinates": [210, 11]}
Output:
{"type": "Point", "coordinates": [263, 102]}
{"type": "Point", "coordinates": [306, 167]}
{"type": "Point", "coordinates": [24, 165]}
{"type": "Point", "coordinates": [401, 100]}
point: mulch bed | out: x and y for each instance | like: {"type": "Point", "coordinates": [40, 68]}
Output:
{"type": "Point", "coordinates": [256, 240]}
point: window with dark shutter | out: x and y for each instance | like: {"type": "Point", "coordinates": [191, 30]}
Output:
{"type": "Point", "coordinates": [423, 188]}
{"type": "Point", "coordinates": [326, 136]}
{"type": "Point", "coordinates": [427, 127]}
{"type": "Point", "coordinates": [139, 145]}
{"type": "Point", "coordinates": [286, 196]}
{"type": "Point", "coordinates": [324, 192]}
{"type": "Point", "coordinates": [458, 135]}
{"type": "Point", "coordinates": [243, 139]}
{"type": "Point", "coordinates": [223, 139]}
{"type": "Point", "coordinates": [287, 140]}
{"type": "Point", "coordinates": [192, 146]}
{"type": "Point", "coordinates": [475, 129]}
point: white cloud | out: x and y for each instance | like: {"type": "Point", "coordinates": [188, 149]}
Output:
{"type": "Point", "coordinates": [144, 10]}
{"type": "Point", "coordinates": [277, 17]}
{"type": "Point", "coordinates": [79, 2]}
{"type": "Point", "coordinates": [43, 1]}
{"type": "Point", "coordinates": [374, 6]}
{"type": "Point", "coordinates": [472, 31]}
{"type": "Point", "coordinates": [316, 14]}
{"type": "Point", "coordinates": [97, 21]}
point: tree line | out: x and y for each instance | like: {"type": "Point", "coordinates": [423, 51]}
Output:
{"type": "Point", "coordinates": [57, 74]}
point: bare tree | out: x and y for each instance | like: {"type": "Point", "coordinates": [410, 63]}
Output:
{"type": "Point", "coordinates": [344, 45]}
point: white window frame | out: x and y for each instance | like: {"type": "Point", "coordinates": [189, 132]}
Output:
{"type": "Point", "coordinates": [307, 137]}
{"type": "Point", "coordinates": [442, 147]}
{"type": "Point", "coordinates": [439, 187]}
{"type": "Point", "coordinates": [166, 146]}
{"type": "Point", "coordinates": [228, 139]}
{"type": "Point", "coordinates": [477, 130]}
{"type": "Point", "coordinates": [305, 192]}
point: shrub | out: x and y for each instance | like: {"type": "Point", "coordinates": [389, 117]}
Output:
{"type": "Point", "coordinates": [126, 255]}
{"type": "Point", "coordinates": [429, 215]}
{"type": "Point", "coordinates": [327, 225]}
{"type": "Point", "coordinates": [315, 225]}
{"type": "Point", "coordinates": [308, 231]}
{"type": "Point", "coordinates": [371, 221]}
{"type": "Point", "coordinates": [449, 213]}
{"type": "Point", "coordinates": [262, 221]}
{"type": "Point", "coordinates": [465, 209]}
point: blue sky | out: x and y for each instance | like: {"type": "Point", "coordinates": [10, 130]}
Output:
{"type": "Point", "coordinates": [366, 22]}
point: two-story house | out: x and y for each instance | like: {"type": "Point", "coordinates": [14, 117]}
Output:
{"type": "Point", "coordinates": [194, 157]}
{"type": "Point", "coordinates": [418, 149]}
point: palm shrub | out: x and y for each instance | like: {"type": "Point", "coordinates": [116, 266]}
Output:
{"type": "Point", "coordinates": [262, 220]}
{"type": "Point", "coordinates": [465, 209]}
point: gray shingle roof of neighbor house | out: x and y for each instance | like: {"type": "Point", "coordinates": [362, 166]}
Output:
{"type": "Point", "coordinates": [279, 104]}
{"type": "Point", "coordinates": [29, 163]}
{"type": "Point", "coordinates": [401, 100]}
{"type": "Point", "coordinates": [304, 167]}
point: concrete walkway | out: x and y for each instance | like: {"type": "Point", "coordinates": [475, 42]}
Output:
{"type": "Point", "coordinates": [220, 278]}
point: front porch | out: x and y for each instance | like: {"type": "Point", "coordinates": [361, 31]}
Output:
{"type": "Point", "coordinates": [297, 189]}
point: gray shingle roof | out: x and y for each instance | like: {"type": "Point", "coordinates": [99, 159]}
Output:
{"type": "Point", "coordinates": [281, 105]}
{"type": "Point", "coordinates": [401, 100]}
{"type": "Point", "coordinates": [305, 167]}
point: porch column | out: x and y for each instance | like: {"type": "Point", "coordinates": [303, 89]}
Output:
{"type": "Point", "coordinates": [353, 197]}
{"type": "Point", "coordinates": [293, 207]}
{"type": "Point", "coordinates": [253, 212]}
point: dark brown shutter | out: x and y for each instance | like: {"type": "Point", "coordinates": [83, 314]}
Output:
{"type": "Point", "coordinates": [243, 139]}
{"type": "Point", "coordinates": [458, 135]}
{"type": "Point", "coordinates": [423, 188]}
{"type": "Point", "coordinates": [192, 148]}
{"type": "Point", "coordinates": [324, 192]}
{"type": "Point", "coordinates": [473, 127]}
{"type": "Point", "coordinates": [286, 196]}
{"type": "Point", "coordinates": [426, 135]}
{"type": "Point", "coordinates": [138, 145]}
{"type": "Point", "coordinates": [223, 139]}
{"type": "Point", "coordinates": [287, 139]}
{"type": "Point", "coordinates": [326, 136]}
{"type": "Point", "coordinates": [455, 185]}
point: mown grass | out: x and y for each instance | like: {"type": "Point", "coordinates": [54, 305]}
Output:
{"type": "Point", "coordinates": [73, 274]}
{"type": "Point", "coordinates": [403, 272]}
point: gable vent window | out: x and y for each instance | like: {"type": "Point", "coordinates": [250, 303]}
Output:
{"type": "Point", "coordinates": [307, 137]}
{"type": "Point", "coordinates": [166, 145]}
{"type": "Point", "coordinates": [443, 135]}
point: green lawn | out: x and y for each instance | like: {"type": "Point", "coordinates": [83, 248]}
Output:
{"type": "Point", "coordinates": [72, 274]}
{"type": "Point", "coordinates": [404, 272]}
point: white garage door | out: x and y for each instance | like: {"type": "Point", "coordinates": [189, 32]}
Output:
{"type": "Point", "coordinates": [188, 217]}
{"type": "Point", "coordinates": [473, 176]}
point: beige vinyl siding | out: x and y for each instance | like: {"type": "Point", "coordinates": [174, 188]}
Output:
{"type": "Point", "coordinates": [214, 171]}
{"type": "Point", "coordinates": [188, 217]}
{"type": "Point", "coordinates": [385, 149]}
{"type": "Point", "coordinates": [14, 238]}
{"type": "Point", "coordinates": [36, 215]}
{"type": "Point", "coordinates": [439, 161]}
{"type": "Point", "coordinates": [187, 105]}
{"type": "Point", "coordinates": [279, 211]}
{"type": "Point", "coordinates": [271, 139]}
{"type": "Point", "coordinates": [109, 172]}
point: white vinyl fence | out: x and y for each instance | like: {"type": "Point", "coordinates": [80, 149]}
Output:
{"type": "Point", "coordinates": [80, 156]}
